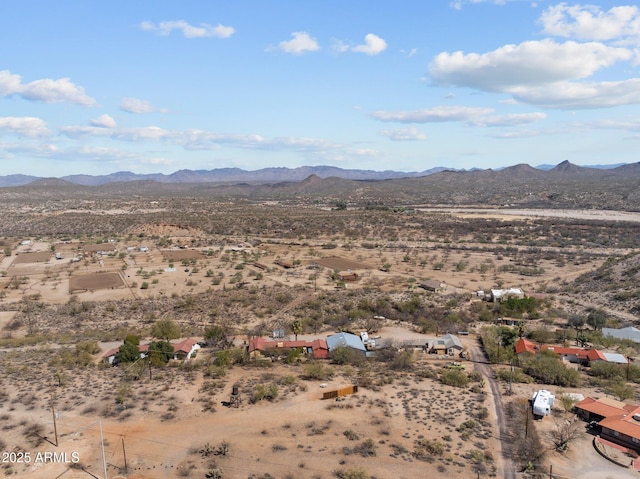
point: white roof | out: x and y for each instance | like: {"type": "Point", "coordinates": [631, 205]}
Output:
{"type": "Point", "coordinates": [615, 358]}
{"type": "Point", "coordinates": [630, 333]}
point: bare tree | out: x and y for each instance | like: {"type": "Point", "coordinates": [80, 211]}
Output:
{"type": "Point", "coordinates": [566, 431]}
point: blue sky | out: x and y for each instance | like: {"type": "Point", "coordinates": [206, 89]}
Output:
{"type": "Point", "coordinates": [158, 86]}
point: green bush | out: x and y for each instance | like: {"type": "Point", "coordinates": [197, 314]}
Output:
{"type": "Point", "coordinates": [547, 368]}
{"type": "Point", "coordinates": [454, 377]}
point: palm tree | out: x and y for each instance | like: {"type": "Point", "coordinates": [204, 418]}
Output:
{"type": "Point", "coordinates": [296, 327]}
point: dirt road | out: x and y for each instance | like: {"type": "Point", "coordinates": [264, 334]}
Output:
{"type": "Point", "coordinates": [505, 466]}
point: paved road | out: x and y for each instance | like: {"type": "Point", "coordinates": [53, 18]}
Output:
{"type": "Point", "coordinates": [506, 469]}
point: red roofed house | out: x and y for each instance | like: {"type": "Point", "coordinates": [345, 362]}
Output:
{"type": "Point", "coordinates": [317, 349]}
{"type": "Point", "coordinates": [620, 422]}
{"type": "Point", "coordinates": [182, 350]}
{"type": "Point", "coordinates": [576, 355]}
{"type": "Point", "coordinates": [185, 349]}
{"type": "Point", "coordinates": [526, 346]}
{"type": "Point", "coordinates": [573, 355]}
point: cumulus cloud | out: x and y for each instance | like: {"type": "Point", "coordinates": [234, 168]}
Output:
{"type": "Point", "coordinates": [404, 134]}
{"type": "Point", "coordinates": [514, 119]}
{"type": "Point", "coordinates": [28, 126]}
{"type": "Point", "coordinates": [104, 121]}
{"type": "Point", "coordinates": [124, 134]}
{"type": "Point", "coordinates": [437, 114]}
{"type": "Point", "coordinates": [571, 95]}
{"type": "Point", "coordinates": [300, 43]}
{"type": "Point", "coordinates": [530, 63]}
{"type": "Point", "coordinates": [373, 45]}
{"type": "Point", "coordinates": [45, 90]}
{"type": "Point", "coordinates": [34, 149]}
{"type": "Point", "coordinates": [134, 105]}
{"type": "Point", "coordinates": [589, 22]}
{"type": "Point", "coordinates": [189, 31]}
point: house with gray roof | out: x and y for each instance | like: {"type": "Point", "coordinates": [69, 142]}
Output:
{"type": "Point", "coordinates": [630, 333]}
{"type": "Point", "coordinates": [346, 340]}
{"type": "Point", "coordinates": [448, 344]}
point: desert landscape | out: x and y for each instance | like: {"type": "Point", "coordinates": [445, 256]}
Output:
{"type": "Point", "coordinates": [84, 275]}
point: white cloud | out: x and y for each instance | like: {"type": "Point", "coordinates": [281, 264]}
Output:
{"type": "Point", "coordinates": [339, 46]}
{"type": "Point", "coordinates": [530, 63]}
{"type": "Point", "coordinates": [432, 115]}
{"type": "Point", "coordinates": [570, 95]}
{"type": "Point", "coordinates": [300, 43]}
{"type": "Point", "coordinates": [189, 31]}
{"type": "Point", "coordinates": [44, 90]}
{"type": "Point", "coordinates": [34, 149]}
{"type": "Point", "coordinates": [104, 121]}
{"type": "Point", "coordinates": [124, 134]}
{"type": "Point", "coordinates": [373, 45]}
{"type": "Point", "coordinates": [514, 119]}
{"type": "Point", "coordinates": [404, 134]}
{"type": "Point", "coordinates": [142, 133]}
{"type": "Point", "coordinates": [457, 4]}
{"type": "Point", "coordinates": [156, 161]}
{"type": "Point", "coordinates": [134, 105]}
{"type": "Point", "coordinates": [24, 126]}
{"type": "Point", "coordinates": [589, 22]}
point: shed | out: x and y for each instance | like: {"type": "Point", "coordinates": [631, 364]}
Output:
{"type": "Point", "coordinates": [433, 285]}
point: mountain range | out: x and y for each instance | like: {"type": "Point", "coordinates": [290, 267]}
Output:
{"type": "Point", "coordinates": [565, 186]}
{"type": "Point", "coordinates": [225, 175]}
{"type": "Point", "coordinates": [234, 175]}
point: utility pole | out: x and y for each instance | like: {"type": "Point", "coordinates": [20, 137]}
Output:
{"type": "Point", "coordinates": [511, 379]}
{"type": "Point", "coordinates": [104, 459]}
{"type": "Point", "coordinates": [124, 453]}
{"type": "Point", "coordinates": [55, 427]}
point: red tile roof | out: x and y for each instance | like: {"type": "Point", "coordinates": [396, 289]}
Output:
{"type": "Point", "coordinates": [624, 423]}
{"type": "Point", "coordinates": [318, 346]}
{"type": "Point", "coordinates": [526, 346]}
{"type": "Point", "coordinates": [602, 407]}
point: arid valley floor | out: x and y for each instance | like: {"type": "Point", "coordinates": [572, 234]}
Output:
{"type": "Point", "coordinates": [95, 273]}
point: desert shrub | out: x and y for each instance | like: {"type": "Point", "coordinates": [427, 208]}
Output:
{"type": "Point", "coordinates": [160, 352]}
{"type": "Point", "coordinates": [547, 368]}
{"type": "Point", "coordinates": [345, 355]}
{"type": "Point", "coordinates": [426, 449]}
{"type": "Point", "coordinates": [353, 473]}
{"type": "Point", "coordinates": [318, 371]}
{"type": "Point", "coordinates": [351, 435]}
{"type": "Point", "coordinates": [366, 448]}
{"type": "Point", "coordinates": [518, 376]}
{"type": "Point", "coordinates": [268, 392]}
{"type": "Point", "coordinates": [454, 377]}
{"type": "Point", "coordinates": [128, 353]}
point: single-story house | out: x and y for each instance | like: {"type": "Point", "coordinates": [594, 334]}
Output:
{"type": "Point", "coordinates": [111, 355]}
{"type": "Point", "coordinates": [593, 409]}
{"type": "Point", "coordinates": [284, 264]}
{"type": "Point", "coordinates": [573, 355]}
{"type": "Point", "coordinates": [630, 333]}
{"type": "Point", "coordinates": [348, 276]}
{"type": "Point", "coordinates": [185, 349]}
{"type": "Point", "coordinates": [182, 350]}
{"type": "Point", "coordinates": [346, 340]}
{"type": "Point", "coordinates": [101, 248]}
{"type": "Point", "coordinates": [317, 349]}
{"type": "Point", "coordinates": [620, 422]}
{"type": "Point", "coordinates": [448, 344]}
{"type": "Point", "coordinates": [433, 285]}
{"type": "Point", "coordinates": [526, 346]}
{"type": "Point", "coordinates": [498, 295]}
